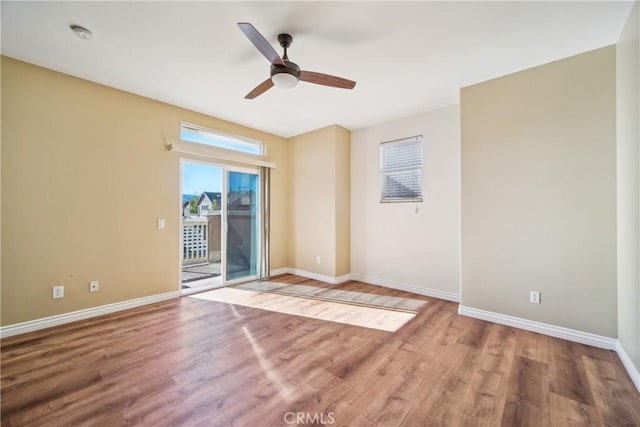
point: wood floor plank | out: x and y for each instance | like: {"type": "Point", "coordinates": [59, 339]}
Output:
{"type": "Point", "coordinates": [189, 362]}
{"type": "Point", "coordinates": [534, 346]}
{"type": "Point", "coordinates": [614, 403]}
{"type": "Point", "coordinates": [567, 412]}
{"type": "Point", "coordinates": [489, 383]}
{"type": "Point", "coordinates": [475, 334]}
{"type": "Point", "coordinates": [569, 379]}
{"type": "Point", "coordinates": [527, 402]}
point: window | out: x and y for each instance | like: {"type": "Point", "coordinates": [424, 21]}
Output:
{"type": "Point", "coordinates": [201, 135]}
{"type": "Point", "coordinates": [401, 170]}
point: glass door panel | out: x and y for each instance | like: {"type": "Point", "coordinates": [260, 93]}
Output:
{"type": "Point", "coordinates": [242, 225]}
{"type": "Point", "coordinates": [201, 226]}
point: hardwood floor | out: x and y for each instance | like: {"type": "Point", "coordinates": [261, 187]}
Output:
{"type": "Point", "coordinates": [194, 362]}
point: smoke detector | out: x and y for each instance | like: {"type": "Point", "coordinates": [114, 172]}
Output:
{"type": "Point", "coordinates": [81, 32]}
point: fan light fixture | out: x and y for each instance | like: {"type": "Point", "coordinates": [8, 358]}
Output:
{"type": "Point", "coordinates": [284, 80]}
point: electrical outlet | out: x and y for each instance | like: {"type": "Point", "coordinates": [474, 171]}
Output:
{"type": "Point", "coordinates": [57, 292]}
{"type": "Point", "coordinates": [161, 223]}
{"type": "Point", "coordinates": [318, 259]}
{"type": "Point", "coordinates": [94, 286]}
{"type": "Point", "coordinates": [534, 297]}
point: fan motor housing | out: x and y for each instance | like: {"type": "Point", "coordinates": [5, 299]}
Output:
{"type": "Point", "coordinates": [288, 67]}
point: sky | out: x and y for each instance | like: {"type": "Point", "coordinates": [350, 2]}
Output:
{"type": "Point", "coordinates": [197, 178]}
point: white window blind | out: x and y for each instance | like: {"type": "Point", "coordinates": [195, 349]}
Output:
{"type": "Point", "coordinates": [401, 170]}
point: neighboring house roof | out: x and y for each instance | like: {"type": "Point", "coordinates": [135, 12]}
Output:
{"type": "Point", "coordinates": [211, 196]}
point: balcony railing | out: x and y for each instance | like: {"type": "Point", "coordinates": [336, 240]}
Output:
{"type": "Point", "coordinates": [195, 242]}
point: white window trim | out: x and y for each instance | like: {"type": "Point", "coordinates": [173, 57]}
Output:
{"type": "Point", "coordinates": [209, 152]}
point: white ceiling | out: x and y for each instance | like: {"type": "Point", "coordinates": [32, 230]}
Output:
{"type": "Point", "coordinates": [407, 58]}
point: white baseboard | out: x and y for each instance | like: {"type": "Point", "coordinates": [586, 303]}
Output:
{"type": "Point", "coordinates": [322, 277]}
{"type": "Point", "coordinates": [632, 370]}
{"type": "Point", "coordinates": [541, 328]}
{"type": "Point", "coordinates": [279, 271]}
{"type": "Point", "coordinates": [342, 279]}
{"type": "Point", "coordinates": [60, 319]}
{"type": "Point", "coordinates": [449, 296]}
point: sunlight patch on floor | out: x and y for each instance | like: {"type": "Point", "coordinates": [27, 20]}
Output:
{"type": "Point", "coordinates": [367, 317]}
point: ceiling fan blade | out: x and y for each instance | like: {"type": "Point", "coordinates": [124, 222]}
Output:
{"type": "Point", "coordinates": [260, 89]}
{"type": "Point", "coordinates": [260, 43]}
{"type": "Point", "coordinates": [326, 80]}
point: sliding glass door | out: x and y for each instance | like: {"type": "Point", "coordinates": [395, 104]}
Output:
{"type": "Point", "coordinates": [242, 226]}
{"type": "Point", "coordinates": [219, 242]}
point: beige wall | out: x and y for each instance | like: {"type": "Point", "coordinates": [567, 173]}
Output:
{"type": "Point", "coordinates": [414, 245]}
{"type": "Point", "coordinates": [343, 200]}
{"type": "Point", "coordinates": [319, 188]}
{"type": "Point", "coordinates": [628, 179]}
{"type": "Point", "coordinates": [85, 175]}
{"type": "Point", "coordinates": [539, 193]}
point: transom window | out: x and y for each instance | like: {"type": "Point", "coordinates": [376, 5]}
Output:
{"type": "Point", "coordinates": [401, 170]}
{"type": "Point", "coordinates": [193, 133]}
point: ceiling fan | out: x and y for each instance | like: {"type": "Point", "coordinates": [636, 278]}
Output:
{"type": "Point", "coordinates": [284, 73]}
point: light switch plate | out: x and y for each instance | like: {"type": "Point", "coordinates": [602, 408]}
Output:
{"type": "Point", "coordinates": [161, 223]}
